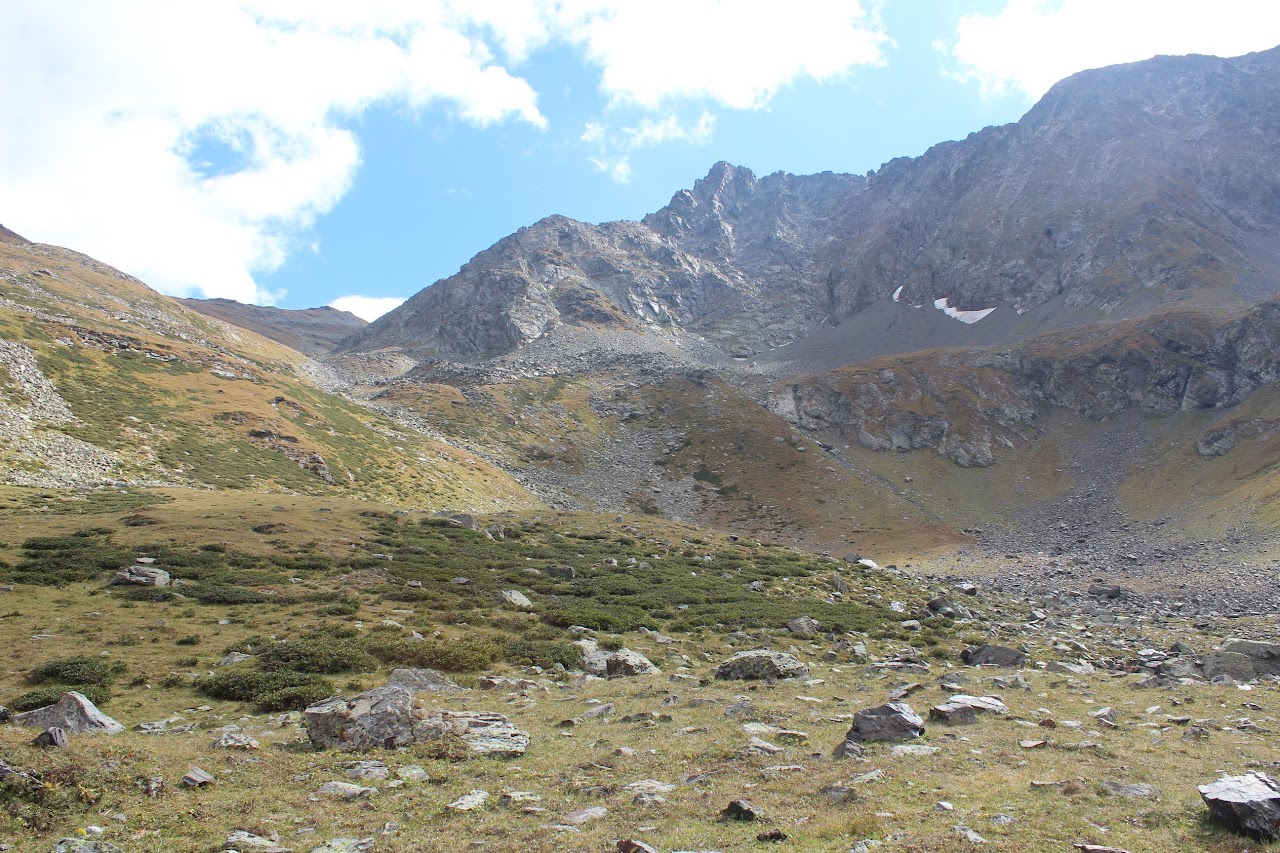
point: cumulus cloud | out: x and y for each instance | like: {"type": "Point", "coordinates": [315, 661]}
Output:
{"type": "Point", "coordinates": [727, 52]}
{"type": "Point", "coordinates": [1030, 44]}
{"type": "Point", "coordinates": [367, 307]}
{"type": "Point", "coordinates": [194, 144]}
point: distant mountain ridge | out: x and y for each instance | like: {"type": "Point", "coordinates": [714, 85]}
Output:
{"type": "Point", "coordinates": [311, 331]}
{"type": "Point", "coordinates": [1123, 190]}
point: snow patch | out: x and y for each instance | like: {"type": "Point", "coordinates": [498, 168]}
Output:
{"type": "Point", "coordinates": [897, 293]}
{"type": "Point", "coordinates": [970, 317]}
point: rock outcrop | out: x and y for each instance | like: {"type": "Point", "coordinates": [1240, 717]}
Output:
{"type": "Point", "coordinates": [73, 713]}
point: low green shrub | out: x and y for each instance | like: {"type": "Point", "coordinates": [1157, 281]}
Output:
{"type": "Point", "coordinates": [77, 670]}
{"type": "Point", "coordinates": [324, 656]}
{"type": "Point", "coordinates": [42, 696]}
{"type": "Point", "coordinates": [282, 690]}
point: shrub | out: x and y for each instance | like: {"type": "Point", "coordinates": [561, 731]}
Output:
{"type": "Point", "coordinates": [230, 595]}
{"type": "Point", "coordinates": [78, 670]}
{"type": "Point", "coordinates": [544, 653]}
{"type": "Point", "coordinates": [321, 656]}
{"type": "Point", "coordinates": [42, 696]}
{"type": "Point", "coordinates": [467, 654]}
{"type": "Point", "coordinates": [283, 690]}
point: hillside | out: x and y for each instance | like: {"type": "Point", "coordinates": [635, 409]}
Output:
{"type": "Point", "coordinates": [107, 383]}
{"type": "Point", "coordinates": [310, 331]}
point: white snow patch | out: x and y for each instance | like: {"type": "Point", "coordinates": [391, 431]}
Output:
{"type": "Point", "coordinates": [898, 293]}
{"type": "Point", "coordinates": [963, 316]}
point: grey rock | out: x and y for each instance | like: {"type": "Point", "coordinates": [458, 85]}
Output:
{"type": "Point", "coordinates": [423, 681]}
{"type": "Point", "coordinates": [84, 845]}
{"type": "Point", "coordinates": [758, 664]}
{"type": "Point", "coordinates": [625, 663]}
{"type": "Point", "coordinates": [1118, 789]}
{"type": "Point", "coordinates": [345, 845]}
{"type": "Point", "coordinates": [514, 598]}
{"type": "Point", "coordinates": [234, 740]}
{"type": "Point", "coordinates": [805, 626]}
{"type": "Point", "coordinates": [742, 810]}
{"type": "Point", "coordinates": [197, 778]}
{"type": "Point", "coordinates": [963, 710]}
{"type": "Point", "coordinates": [381, 718]}
{"type": "Point", "coordinates": [346, 791]}
{"type": "Point", "coordinates": [469, 802]}
{"type": "Point", "coordinates": [232, 658]}
{"type": "Point", "coordinates": [52, 737]}
{"type": "Point", "coordinates": [567, 573]}
{"type": "Point", "coordinates": [73, 712]}
{"type": "Point", "coordinates": [1248, 803]}
{"type": "Point", "coordinates": [991, 655]}
{"type": "Point", "coordinates": [243, 841]}
{"type": "Point", "coordinates": [894, 721]}
{"type": "Point", "coordinates": [367, 770]}
{"type": "Point", "coordinates": [141, 576]}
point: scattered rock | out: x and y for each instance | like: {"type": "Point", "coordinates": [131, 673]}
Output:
{"type": "Point", "coordinates": [515, 598]}
{"type": "Point", "coordinates": [53, 737]}
{"type": "Point", "coordinates": [234, 740]}
{"type": "Point", "coordinates": [84, 845]}
{"type": "Point", "coordinates": [141, 575]}
{"type": "Point", "coordinates": [805, 626]}
{"type": "Point", "coordinates": [197, 778]}
{"type": "Point", "coordinates": [243, 841]}
{"type": "Point", "coordinates": [469, 802]}
{"type": "Point", "coordinates": [581, 816]}
{"type": "Point", "coordinates": [894, 721]}
{"type": "Point", "coordinates": [346, 791]}
{"type": "Point", "coordinates": [381, 718]}
{"type": "Point", "coordinates": [1117, 789]}
{"type": "Point", "coordinates": [625, 663]}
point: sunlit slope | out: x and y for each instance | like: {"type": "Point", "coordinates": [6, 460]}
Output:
{"type": "Point", "coordinates": [105, 381]}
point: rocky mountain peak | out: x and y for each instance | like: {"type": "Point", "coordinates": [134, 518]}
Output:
{"type": "Point", "coordinates": [7, 236]}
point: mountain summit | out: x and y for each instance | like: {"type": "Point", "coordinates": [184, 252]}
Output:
{"type": "Point", "coordinates": [1123, 190]}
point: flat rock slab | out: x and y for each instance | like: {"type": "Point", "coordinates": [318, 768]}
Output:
{"type": "Point", "coordinates": [894, 721]}
{"type": "Point", "coordinates": [74, 713]}
{"type": "Point", "coordinates": [992, 655]}
{"type": "Point", "coordinates": [1249, 803]}
{"type": "Point", "coordinates": [423, 681]}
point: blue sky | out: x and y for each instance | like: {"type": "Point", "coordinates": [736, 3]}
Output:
{"type": "Point", "coordinates": [307, 152]}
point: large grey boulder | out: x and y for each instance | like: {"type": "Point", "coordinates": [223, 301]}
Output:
{"type": "Point", "coordinates": [514, 598]}
{"type": "Point", "coordinates": [892, 722]}
{"type": "Point", "coordinates": [423, 681]}
{"type": "Point", "coordinates": [72, 712]}
{"type": "Point", "coordinates": [805, 626]}
{"type": "Point", "coordinates": [1244, 659]}
{"type": "Point", "coordinates": [964, 710]}
{"type": "Point", "coordinates": [1249, 803]}
{"type": "Point", "coordinates": [625, 662]}
{"type": "Point", "coordinates": [991, 655]}
{"type": "Point", "coordinates": [381, 718]}
{"type": "Point", "coordinates": [758, 664]}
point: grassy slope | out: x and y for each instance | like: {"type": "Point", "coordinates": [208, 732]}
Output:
{"type": "Point", "coordinates": [228, 409]}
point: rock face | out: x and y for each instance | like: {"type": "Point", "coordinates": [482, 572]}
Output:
{"type": "Point", "coordinates": [760, 664]}
{"type": "Point", "coordinates": [625, 662]}
{"type": "Point", "coordinates": [74, 713]}
{"type": "Point", "coordinates": [1249, 803]}
{"type": "Point", "coordinates": [1060, 209]}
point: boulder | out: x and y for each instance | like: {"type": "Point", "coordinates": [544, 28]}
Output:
{"type": "Point", "coordinates": [141, 576]}
{"type": "Point", "coordinates": [1232, 665]}
{"type": "Point", "coordinates": [625, 662]}
{"type": "Point", "coordinates": [759, 664]}
{"type": "Point", "coordinates": [84, 845]}
{"type": "Point", "coordinates": [515, 598]}
{"type": "Point", "coordinates": [244, 841]}
{"type": "Point", "coordinates": [805, 626]}
{"type": "Point", "coordinates": [483, 733]}
{"type": "Point", "coordinates": [1249, 803]}
{"type": "Point", "coordinates": [53, 737]}
{"type": "Point", "coordinates": [566, 573]}
{"type": "Point", "coordinates": [423, 681]}
{"type": "Point", "coordinates": [990, 655]}
{"type": "Point", "coordinates": [381, 718]}
{"type": "Point", "coordinates": [73, 712]}
{"type": "Point", "coordinates": [1264, 656]}
{"type": "Point", "coordinates": [895, 721]}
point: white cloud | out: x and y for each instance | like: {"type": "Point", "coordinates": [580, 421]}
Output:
{"type": "Point", "coordinates": [194, 144]}
{"type": "Point", "coordinates": [1030, 44]}
{"type": "Point", "coordinates": [367, 307]}
{"type": "Point", "coordinates": [734, 54]}
{"type": "Point", "coordinates": [614, 147]}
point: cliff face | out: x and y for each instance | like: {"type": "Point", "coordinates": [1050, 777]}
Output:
{"type": "Point", "coordinates": [969, 404]}
{"type": "Point", "coordinates": [1125, 189]}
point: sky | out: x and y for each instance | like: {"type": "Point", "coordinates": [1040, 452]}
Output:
{"type": "Point", "coordinates": [326, 152]}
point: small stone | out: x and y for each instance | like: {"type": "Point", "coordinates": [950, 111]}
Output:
{"type": "Point", "coordinates": [631, 845]}
{"type": "Point", "coordinates": [346, 791]}
{"type": "Point", "coordinates": [581, 816]}
{"type": "Point", "coordinates": [197, 778]}
{"type": "Point", "coordinates": [469, 802]}
{"type": "Point", "coordinates": [53, 737]}
{"type": "Point", "coordinates": [234, 740]}
{"type": "Point", "coordinates": [740, 810]}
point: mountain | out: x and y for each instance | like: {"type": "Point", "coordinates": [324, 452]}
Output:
{"type": "Point", "coordinates": [7, 236]}
{"type": "Point", "coordinates": [1123, 190]}
{"type": "Point", "coordinates": [311, 331]}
